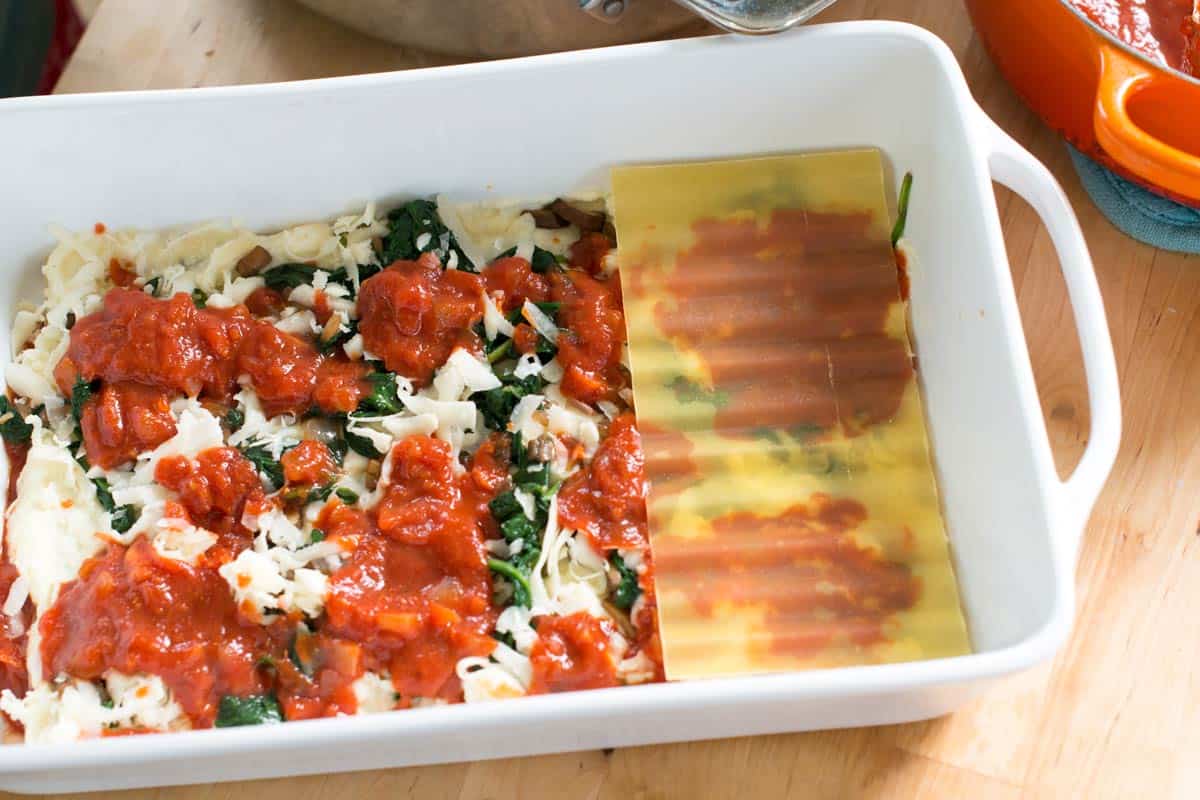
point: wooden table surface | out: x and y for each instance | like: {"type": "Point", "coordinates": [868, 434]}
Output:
{"type": "Point", "coordinates": [1117, 713]}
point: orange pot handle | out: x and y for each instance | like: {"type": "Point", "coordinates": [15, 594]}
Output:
{"type": "Point", "coordinates": [1121, 77]}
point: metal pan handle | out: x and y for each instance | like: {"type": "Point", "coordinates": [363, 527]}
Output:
{"type": "Point", "coordinates": [756, 16]}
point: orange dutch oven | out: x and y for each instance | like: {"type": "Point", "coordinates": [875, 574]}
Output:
{"type": "Point", "coordinates": [1132, 113]}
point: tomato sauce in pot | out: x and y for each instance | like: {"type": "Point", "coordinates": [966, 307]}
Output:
{"type": "Point", "coordinates": [1165, 30]}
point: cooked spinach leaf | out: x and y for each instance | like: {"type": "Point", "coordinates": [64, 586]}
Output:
{"type": "Point", "coordinates": [255, 709]}
{"type": "Point", "coordinates": [123, 517]}
{"type": "Point", "coordinates": [384, 397]}
{"type": "Point", "coordinates": [522, 594]}
{"type": "Point", "coordinates": [267, 465]}
{"type": "Point", "coordinates": [524, 535]}
{"type": "Point", "coordinates": [14, 429]}
{"type": "Point", "coordinates": [902, 208]}
{"type": "Point", "coordinates": [416, 228]}
{"type": "Point", "coordinates": [235, 418]}
{"type": "Point", "coordinates": [504, 506]}
{"type": "Point", "coordinates": [543, 260]}
{"type": "Point", "coordinates": [344, 334]}
{"type": "Point", "coordinates": [497, 404]}
{"type": "Point", "coordinates": [288, 276]}
{"type": "Point", "coordinates": [627, 590]}
{"type": "Point", "coordinates": [362, 445]}
{"type": "Point", "coordinates": [318, 494]}
{"type": "Point", "coordinates": [81, 392]}
{"type": "Point", "coordinates": [199, 298]}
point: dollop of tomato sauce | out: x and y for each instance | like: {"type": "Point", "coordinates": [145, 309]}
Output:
{"type": "Point", "coordinates": [592, 332]}
{"type": "Point", "coordinates": [341, 385]}
{"type": "Point", "coordinates": [13, 673]}
{"type": "Point", "coordinates": [607, 499]}
{"type": "Point", "coordinates": [308, 463]}
{"type": "Point", "coordinates": [166, 343]}
{"type": "Point", "coordinates": [265, 301]}
{"type": "Point", "coordinates": [215, 489]}
{"type": "Point", "coordinates": [325, 687]}
{"type": "Point", "coordinates": [488, 474]}
{"type": "Point", "coordinates": [572, 652]}
{"type": "Point", "coordinates": [17, 455]}
{"type": "Point", "coordinates": [282, 368]}
{"type": "Point", "coordinates": [133, 610]}
{"type": "Point", "coordinates": [644, 616]}
{"type": "Point", "coordinates": [589, 251]}
{"type": "Point", "coordinates": [525, 338]}
{"type": "Point", "coordinates": [124, 419]}
{"type": "Point", "coordinates": [120, 273]}
{"type": "Point", "coordinates": [136, 340]}
{"type": "Point", "coordinates": [515, 280]}
{"type": "Point", "coordinates": [414, 314]}
{"type": "Point", "coordinates": [790, 320]}
{"type": "Point", "coordinates": [416, 593]}
{"type": "Point", "coordinates": [816, 584]}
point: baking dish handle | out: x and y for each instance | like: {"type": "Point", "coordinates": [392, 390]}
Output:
{"type": "Point", "coordinates": [1016, 168]}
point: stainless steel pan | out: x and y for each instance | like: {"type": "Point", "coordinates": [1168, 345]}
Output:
{"type": "Point", "coordinates": [503, 28]}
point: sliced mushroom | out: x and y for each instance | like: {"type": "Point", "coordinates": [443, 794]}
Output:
{"type": "Point", "coordinates": [541, 449]}
{"type": "Point", "coordinates": [622, 619]}
{"type": "Point", "coordinates": [253, 262]}
{"type": "Point", "coordinates": [373, 471]}
{"type": "Point", "coordinates": [545, 218]}
{"type": "Point", "coordinates": [586, 221]}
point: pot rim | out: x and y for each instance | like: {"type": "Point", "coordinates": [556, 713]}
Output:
{"type": "Point", "coordinates": [1128, 48]}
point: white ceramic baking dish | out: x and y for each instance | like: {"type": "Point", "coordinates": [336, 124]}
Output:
{"type": "Point", "coordinates": [275, 154]}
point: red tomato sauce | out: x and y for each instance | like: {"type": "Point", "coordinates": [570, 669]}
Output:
{"type": "Point", "coordinates": [414, 314]}
{"type": "Point", "coordinates": [592, 320]}
{"type": "Point", "coordinates": [818, 584]}
{"type": "Point", "coordinates": [17, 455]}
{"type": "Point", "coordinates": [1164, 30]}
{"type": "Point", "coordinates": [588, 252]}
{"type": "Point", "coordinates": [166, 343]}
{"type": "Point", "coordinates": [264, 302]}
{"type": "Point", "coordinates": [124, 419]}
{"type": "Point", "coordinates": [525, 338]}
{"type": "Point", "coordinates": [137, 344]}
{"type": "Point", "coordinates": [214, 489]}
{"type": "Point", "coordinates": [13, 674]}
{"type": "Point", "coordinates": [644, 616]}
{"type": "Point", "coordinates": [572, 652]}
{"type": "Point", "coordinates": [341, 385]}
{"type": "Point", "coordinates": [607, 499]}
{"type": "Point", "coordinates": [120, 273]}
{"type": "Point", "coordinates": [416, 593]}
{"type": "Point", "coordinates": [308, 463]}
{"type": "Point", "coordinates": [790, 323]}
{"type": "Point", "coordinates": [325, 688]}
{"type": "Point", "coordinates": [133, 610]}
{"type": "Point", "coordinates": [516, 281]}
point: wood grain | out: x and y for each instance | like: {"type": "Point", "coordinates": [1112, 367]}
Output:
{"type": "Point", "coordinates": [1117, 713]}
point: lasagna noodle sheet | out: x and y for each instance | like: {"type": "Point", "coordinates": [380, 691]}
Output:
{"type": "Point", "coordinates": [794, 515]}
